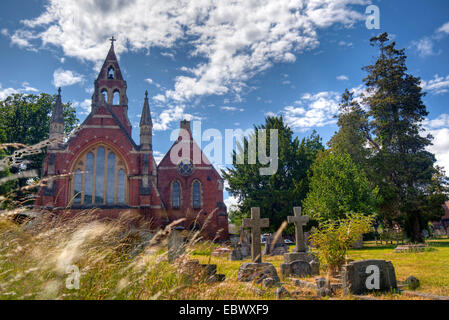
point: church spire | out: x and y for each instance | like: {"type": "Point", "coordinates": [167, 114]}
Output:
{"type": "Point", "coordinates": [145, 119]}
{"type": "Point", "coordinates": [57, 114]}
{"type": "Point", "coordinates": [57, 118]}
{"type": "Point", "coordinates": [146, 126]}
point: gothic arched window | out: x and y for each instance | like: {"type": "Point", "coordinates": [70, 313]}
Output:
{"type": "Point", "coordinates": [176, 195]}
{"type": "Point", "coordinates": [104, 92]}
{"type": "Point", "coordinates": [196, 199]}
{"type": "Point", "coordinates": [111, 73]}
{"type": "Point", "coordinates": [116, 98]}
{"type": "Point", "coordinates": [100, 178]}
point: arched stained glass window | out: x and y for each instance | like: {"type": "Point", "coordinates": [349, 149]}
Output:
{"type": "Point", "coordinates": [78, 186]}
{"type": "Point", "coordinates": [196, 195]}
{"type": "Point", "coordinates": [88, 180]}
{"type": "Point", "coordinates": [176, 195]}
{"type": "Point", "coordinates": [121, 187]}
{"type": "Point", "coordinates": [100, 178]}
{"type": "Point", "coordinates": [111, 179]}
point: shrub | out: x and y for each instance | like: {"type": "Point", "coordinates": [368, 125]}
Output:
{"type": "Point", "coordinates": [334, 238]}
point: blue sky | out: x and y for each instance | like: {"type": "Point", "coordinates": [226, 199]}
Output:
{"type": "Point", "coordinates": [228, 63]}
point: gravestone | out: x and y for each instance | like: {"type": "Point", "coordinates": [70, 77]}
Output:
{"type": "Point", "coordinates": [242, 250]}
{"type": "Point", "coordinates": [255, 224]}
{"type": "Point", "coordinates": [299, 220]}
{"type": "Point", "coordinates": [410, 248]}
{"type": "Point", "coordinates": [256, 270]}
{"type": "Point", "coordinates": [201, 273]}
{"type": "Point", "coordinates": [221, 252]}
{"type": "Point", "coordinates": [295, 262]}
{"type": "Point", "coordinates": [298, 268]}
{"type": "Point", "coordinates": [358, 244]}
{"type": "Point", "coordinates": [176, 245]}
{"type": "Point", "coordinates": [368, 276]}
{"type": "Point", "coordinates": [275, 249]}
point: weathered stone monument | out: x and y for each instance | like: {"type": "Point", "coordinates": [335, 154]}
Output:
{"type": "Point", "coordinates": [242, 250]}
{"type": "Point", "coordinates": [367, 276]}
{"type": "Point", "coordinates": [176, 245]}
{"type": "Point", "coordinates": [256, 270]}
{"type": "Point", "coordinates": [275, 247]}
{"type": "Point", "coordinates": [299, 263]}
{"type": "Point", "coordinates": [201, 273]}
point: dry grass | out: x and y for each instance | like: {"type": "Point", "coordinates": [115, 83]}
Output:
{"type": "Point", "coordinates": [120, 262]}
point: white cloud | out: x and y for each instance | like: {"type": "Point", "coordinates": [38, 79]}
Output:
{"type": "Point", "coordinates": [439, 129]}
{"type": "Point", "coordinates": [312, 111]}
{"type": "Point", "coordinates": [65, 78]}
{"type": "Point", "coordinates": [84, 106]}
{"type": "Point", "coordinates": [160, 97]}
{"type": "Point", "coordinates": [444, 28]}
{"type": "Point", "coordinates": [345, 44]}
{"type": "Point", "coordinates": [169, 55]}
{"type": "Point", "coordinates": [438, 85]}
{"type": "Point", "coordinates": [441, 121]}
{"type": "Point", "coordinates": [231, 202]}
{"type": "Point", "coordinates": [425, 47]}
{"type": "Point", "coordinates": [342, 78]}
{"type": "Point", "coordinates": [5, 92]}
{"type": "Point", "coordinates": [158, 156]}
{"type": "Point", "coordinates": [169, 115]}
{"type": "Point", "coordinates": [233, 109]}
{"type": "Point", "coordinates": [233, 40]}
{"type": "Point", "coordinates": [151, 81]}
{"type": "Point", "coordinates": [440, 146]}
{"type": "Point", "coordinates": [26, 88]}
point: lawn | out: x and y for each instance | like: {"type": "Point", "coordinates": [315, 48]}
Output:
{"type": "Point", "coordinates": [430, 267]}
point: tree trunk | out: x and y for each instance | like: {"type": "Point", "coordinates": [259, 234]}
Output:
{"type": "Point", "coordinates": [416, 231]}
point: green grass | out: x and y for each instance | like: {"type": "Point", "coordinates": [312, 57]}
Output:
{"type": "Point", "coordinates": [431, 267]}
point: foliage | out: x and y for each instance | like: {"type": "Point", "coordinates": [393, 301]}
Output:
{"type": "Point", "coordinates": [276, 195]}
{"type": "Point", "coordinates": [334, 238]}
{"type": "Point", "coordinates": [337, 186]}
{"type": "Point", "coordinates": [386, 136]}
{"type": "Point", "coordinates": [25, 119]}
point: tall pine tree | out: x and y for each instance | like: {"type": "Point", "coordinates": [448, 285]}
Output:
{"type": "Point", "coordinates": [388, 131]}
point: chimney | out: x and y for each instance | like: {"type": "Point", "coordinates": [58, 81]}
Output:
{"type": "Point", "coordinates": [186, 125]}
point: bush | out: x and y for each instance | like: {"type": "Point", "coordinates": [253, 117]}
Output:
{"type": "Point", "coordinates": [334, 238]}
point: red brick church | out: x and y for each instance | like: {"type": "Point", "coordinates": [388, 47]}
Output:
{"type": "Point", "coordinates": [100, 166]}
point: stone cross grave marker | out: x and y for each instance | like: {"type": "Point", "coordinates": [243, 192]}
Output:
{"type": "Point", "coordinates": [299, 221]}
{"type": "Point", "coordinates": [255, 223]}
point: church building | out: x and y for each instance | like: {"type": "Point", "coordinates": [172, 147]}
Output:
{"type": "Point", "coordinates": [100, 166]}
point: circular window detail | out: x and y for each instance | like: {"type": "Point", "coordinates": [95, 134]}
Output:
{"type": "Point", "coordinates": [185, 167]}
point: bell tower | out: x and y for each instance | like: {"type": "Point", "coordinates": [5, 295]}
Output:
{"type": "Point", "coordinates": [110, 86]}
{"type": "Point", "coordinates": [110, 89]}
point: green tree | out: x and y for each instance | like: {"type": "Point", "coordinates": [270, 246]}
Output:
{"type": "Point", "coordinates": [353, 124]}
{"type": "Point", "coordinates": [338, 186]}
{"type": "Point", "coordinates": [388, 132]}
{"type": "Point", "coordinates": [25, 119]}
{"type": "Point", "coordinates": [276, 195]}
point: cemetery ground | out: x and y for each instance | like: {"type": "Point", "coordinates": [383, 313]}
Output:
{"type": "Point", "coordinates": [36, 264]}
{"type": "Point", "coordinates": [431, 267]}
